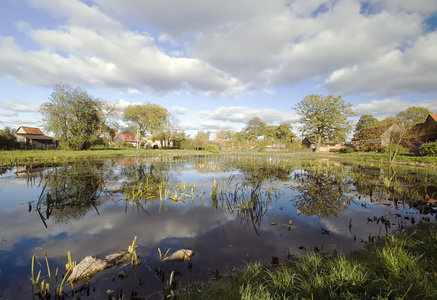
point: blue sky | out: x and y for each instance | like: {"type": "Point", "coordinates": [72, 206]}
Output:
{"type": "Point", "coordinates": [217, 64]}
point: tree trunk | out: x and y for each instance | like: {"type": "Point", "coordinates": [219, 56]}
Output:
{"type": "Point", "coordinates": [138, 138]}
{"type": "Point", "coordinates": [319, 141]}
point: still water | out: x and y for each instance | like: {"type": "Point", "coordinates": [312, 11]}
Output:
{"type": "Point", "coordinates": [229, 210]}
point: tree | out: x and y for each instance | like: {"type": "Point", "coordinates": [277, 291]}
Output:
{"type": "Point", "coordinates": [325, 118]}
{"type": "Point", "coordinates": [7, 139]}
{"type": "Point", "coordinates": [167, 131]}
{"type": "Point", "coordinates": [201, 140]}
{"type": "Point", "coordinates": [73, 116]}
{"type": "Point", "coordinates": [108, 126]}
{"type": "Point", "coordinates": [413, 115]}
{"type": "Point", "coordinates": [366, 121]}
{"type": "Point", "coordinates": [255, 128]}
{"type": "Point", "coordinates": [148, 118]}
{"type": "Point", "coordinates": [225, 135]}
{"type": "Point", "coordinates": [284, 133]}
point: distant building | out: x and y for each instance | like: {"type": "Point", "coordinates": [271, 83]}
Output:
{"type": "Point", "coordinates": [33, 138]}
{"type": "Point", "coordinates": [125, 138]}
{"type": "Point", "coordinates": [132, 139]}
{"type": "Point", "coordinates": [432, 118]}
{"type": "Point", "coordinates": [311, 142]}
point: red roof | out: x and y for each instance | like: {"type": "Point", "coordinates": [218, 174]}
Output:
{"type": "Point", "coordinates": [32, 130]}
{"type": "Point", "coordinates": [126, 137]}
{"type": "Point", "coordinates": [434, 116]}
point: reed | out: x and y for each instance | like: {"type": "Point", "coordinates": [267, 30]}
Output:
{"type": "Point", "coordinates": [70, 265]}
{"type": "Point", "coordinates": [163, 257]}
{"type": "Point", "coordinates": [134, 256]}
{"type": "Point", "coordinates": [47, 264]}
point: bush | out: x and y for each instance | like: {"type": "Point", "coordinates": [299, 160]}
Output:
{"type": "Point", "coordinates": [401, 150]}
{"type": "Point", "coordinates": [213, 148]}
{"type": "Point", "coordinates": [123, 145]}
{"type": "Point", "coordinates": [7, 139]}
{"type": "Point", "coordinates": [347, 149]}
{"type": "Point", "coordinates": [428, 149]}
{"type": "Point", "coordinates": [187, 145]}
{"type": "Point", "coordinates": [371, 147]}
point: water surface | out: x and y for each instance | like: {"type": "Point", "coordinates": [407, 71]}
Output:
{"type": "Point", "coordinates": [229, 210]}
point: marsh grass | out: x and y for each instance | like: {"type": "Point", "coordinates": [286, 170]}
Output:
{"type": "Point", "coordinates": [399, 267]}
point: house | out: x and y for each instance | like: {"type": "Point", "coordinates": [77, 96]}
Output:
{"type": "Point", "coordinates": [378, 136]}
{"type": "Point", "coordinates": [414, 137]}
{"type": "Point", "coordinates": [422, 133]}
{"type": "Point", "coordinates": [125, 138]}
{"type": "Point", "coordinates": [432, 118]}
{"type": "Point", "coordinates": [132, 139]}
{"type": "Point", "coordinates": [33, 138]}
{"type": "Point", "coordinates": [311, 142]}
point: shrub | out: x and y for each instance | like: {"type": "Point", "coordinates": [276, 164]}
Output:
{"type": "Point", "coordinates": [213, 148]}
{"type": "Point", "coordinates": [428, 149]}
{"type": "Point", "coordinates": [347, 149]}
{"type": "Point", "coordinates": [187, 145]}
{"type": "Point", "coordinates": [371, 147]}
{"type": "Point", "coordinates": [401, 150]}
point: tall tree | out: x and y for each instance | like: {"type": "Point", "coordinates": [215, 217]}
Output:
{"type": "Point", "coordinates": [414, 115]}
{"type": "Point", "coordinates": [201, 140]}
{"type": "Point", "coordinates": [148, 118]}
{"type": "Point", "coordinates": [225, 135]}
{"type": "Point", "coordinates": [255, 128]}
{"type": "Point", "coordinates": [325, 118]}
{"type": "Point", "coordinates": [74, 117]}
{"type": "Point", "coordinates": [366, 121]}
{"type": "Point", "coordinates": [284, 133]}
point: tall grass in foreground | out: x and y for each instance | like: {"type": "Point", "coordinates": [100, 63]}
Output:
{"type": "Point", "coordinates": [401, 267]}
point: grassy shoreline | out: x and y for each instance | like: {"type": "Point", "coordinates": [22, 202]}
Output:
{"type": "Point", "coordinates": [402, 266]}
{"type": "Point", "coordinates": [13, 157]}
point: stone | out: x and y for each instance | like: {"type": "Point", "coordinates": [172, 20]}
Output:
{"type": "Point", "coordinates": [180, 256]}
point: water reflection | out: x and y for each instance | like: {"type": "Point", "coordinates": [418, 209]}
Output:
{"type": "Point", "coordinates": [226, 217]}
{"type": "Point", "coordinates": [69, 192]}
{"type": "Point", "coordinates": [321, 192]}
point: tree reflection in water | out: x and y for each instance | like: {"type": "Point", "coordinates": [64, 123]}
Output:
{"type": "Point", "coordinates": [323, 192]}
{"type": "Point", "coordinates": [248, 198]}
{"type": "Point", "coordinates": [69, 192]}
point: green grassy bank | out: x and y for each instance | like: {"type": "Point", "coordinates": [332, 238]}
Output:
{"type": "Point", "coordinates": [399, 267]}
{"type": "Point", "coordinates": [402, 158]}
{"type": "Point", "coordinates": [13, 157]}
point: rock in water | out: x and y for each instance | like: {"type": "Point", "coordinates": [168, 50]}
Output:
{"type": "Point", "coordinates": [180, 255]}
{"type": "Point", "coordinates": [86, 268]}
{"type": "Point", "coordinates": [117, 258]}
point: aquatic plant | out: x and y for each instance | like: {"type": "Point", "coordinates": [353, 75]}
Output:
{"type": "Point", "coordinates": [401, 267]}
{"type": "Point", "coordinates": [163, 257]}
{"type": "Point", "coordinates": [131, 250]}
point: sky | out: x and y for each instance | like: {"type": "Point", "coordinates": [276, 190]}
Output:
{"type": "Point", "coordinates": [217, 64]}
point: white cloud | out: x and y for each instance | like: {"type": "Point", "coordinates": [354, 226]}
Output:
{"type": "Point", "coordinates": [178, 18]}
{"type": "Point", "coordinates": [98, 51]}
{"type": "Point", "coordinates": [242, 114]}
{"type": "Point", "coordinates": [395, 72]}
{"type": "Point", "coordinates": [230, 47]}
{"type": "Point", "coordinates": [180, 110]}
{"type": "Point", "coordinates": [19, 106]}
{"type": "Point", "coordinates": [391, 107]}
{"type": "Point", "coordinates": [8, 114]}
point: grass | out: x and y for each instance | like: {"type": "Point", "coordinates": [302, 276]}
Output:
{"type": "Point", "coordinates": [401, 158]}
{"type": "Point", "coordinates": [400, 267]}
{"type": "Point", "coordinates": [12, 157]}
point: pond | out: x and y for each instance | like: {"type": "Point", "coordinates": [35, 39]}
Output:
{"type": "Point", "coordinates": [229, 209]}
